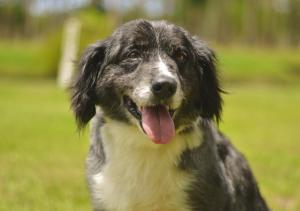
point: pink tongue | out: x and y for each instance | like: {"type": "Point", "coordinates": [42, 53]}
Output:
{"type": "Point", "coordinates": [158, 124]}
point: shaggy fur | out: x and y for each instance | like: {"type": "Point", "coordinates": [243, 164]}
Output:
{"type": "Point", "coordinates": [199, 169]}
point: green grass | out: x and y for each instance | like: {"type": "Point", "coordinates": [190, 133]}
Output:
{"type": "Point", "coordinates": [263, 122]}
{"type": "Point", "coordinates": [20, 58]}
{"type": "Point", "coordinates": [95, 26]}
{"type": "Point", "coordinates": [259, 65]}
{"type": "Point", "coordinates": [39, 57]}
{"type": "Point", "coordinates": [42, 156]}
{"type": "Point", "coordinates": [30, 58]}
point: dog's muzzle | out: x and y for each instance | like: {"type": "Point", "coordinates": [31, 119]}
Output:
{"type": "Point", "coordinates": [164, 88]}
{"type": "Point", "coordinates": [155, 115]}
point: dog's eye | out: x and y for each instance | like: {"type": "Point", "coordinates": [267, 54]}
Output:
{"type": "Point", "coordinates": [180, 55]}
{"type": "Point", "coordinates": [133, 54]}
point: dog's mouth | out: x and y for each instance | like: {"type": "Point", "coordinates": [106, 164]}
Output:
{"type": "Point", "coordinates": [155, 120]}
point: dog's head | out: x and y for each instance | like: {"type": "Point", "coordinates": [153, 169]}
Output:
{"type": "Point", "coordinates": [151, 74]}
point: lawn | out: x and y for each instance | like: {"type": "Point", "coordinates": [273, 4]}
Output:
{"type": "Point", "coordinates": [30, 58]}
{"type": "Point", "coordinates": [40, 56]}
{"type": "Point", "coordinates": [263, 122]}
{"type": "Point", "coordinates": [278, 65]}
{"type": "Point", "coordinates": [42, 156]}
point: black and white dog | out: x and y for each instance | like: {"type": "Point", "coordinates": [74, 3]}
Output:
{"type": "Point", "coordinates": [153, 91]}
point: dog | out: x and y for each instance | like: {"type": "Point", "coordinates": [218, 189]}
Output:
{"type": "Point", "coordinates": [153, 94]}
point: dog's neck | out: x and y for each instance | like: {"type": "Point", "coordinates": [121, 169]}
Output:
{"type": "Point", "coordinates": [117, 134]}
{"type": "Point", "coordinates": [138, 173]}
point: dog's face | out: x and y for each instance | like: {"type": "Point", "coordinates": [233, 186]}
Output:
{"type": "Point", "coordinates": [153, 75]}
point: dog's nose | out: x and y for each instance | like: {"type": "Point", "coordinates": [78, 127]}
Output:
{"type": "Point", "coordinates": [164, 88]}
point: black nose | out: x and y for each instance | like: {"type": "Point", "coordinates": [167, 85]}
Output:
{"type": "Point", "coordinates": [164, 88]}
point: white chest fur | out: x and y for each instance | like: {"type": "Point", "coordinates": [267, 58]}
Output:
{"type": "Point", "coordinates": [140, 175]}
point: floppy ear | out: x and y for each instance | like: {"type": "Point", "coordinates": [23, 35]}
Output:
{"type": "Point", "coordinates": [210, 101]}
{"type": "Point", "coordinates": [83, 91]}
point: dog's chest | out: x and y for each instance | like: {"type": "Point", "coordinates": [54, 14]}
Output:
{"type": "Point", "coordinates": [142, 178]}
{"type": "Point", "coordinates": [142, 185]}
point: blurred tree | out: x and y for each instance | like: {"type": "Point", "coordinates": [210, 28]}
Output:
{"type": "Point", "coordinates": [294, 22]}
{"type": "Point", "coordinates": [189, 13]}
{"type": "Point", "coordinates": [97, 4]}
{"type": "Point", "coordinates": [264, 22]}
{"type": "Point", "coordinates": [14, 16]}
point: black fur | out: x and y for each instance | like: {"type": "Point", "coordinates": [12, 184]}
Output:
{"type": "Point", "coordinates": [224, 179]}
{"type": "Point", "coordinates": [210, 100]}
{"type": "Point", "coordinates": [84, 97]}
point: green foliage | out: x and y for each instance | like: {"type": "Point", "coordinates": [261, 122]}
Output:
{"type": "Point", "coordinates": [34, 58]}
{"type": "Point", "coordinates": [40, 57]}
{"type": "Point", "coordinates": [265, 22]}
{"type": "Point", "coordinates": [95, 25]}
{"type": "Point", "coordinates": [13, 16]}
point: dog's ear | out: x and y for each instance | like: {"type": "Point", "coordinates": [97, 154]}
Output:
{"type": "Point", "coordinates": [209, 100]}
{"type": "Point", "coordinates": [83, 91]}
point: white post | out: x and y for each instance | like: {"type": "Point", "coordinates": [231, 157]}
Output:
{"type": "Point", "coordinates": [70, 44]}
